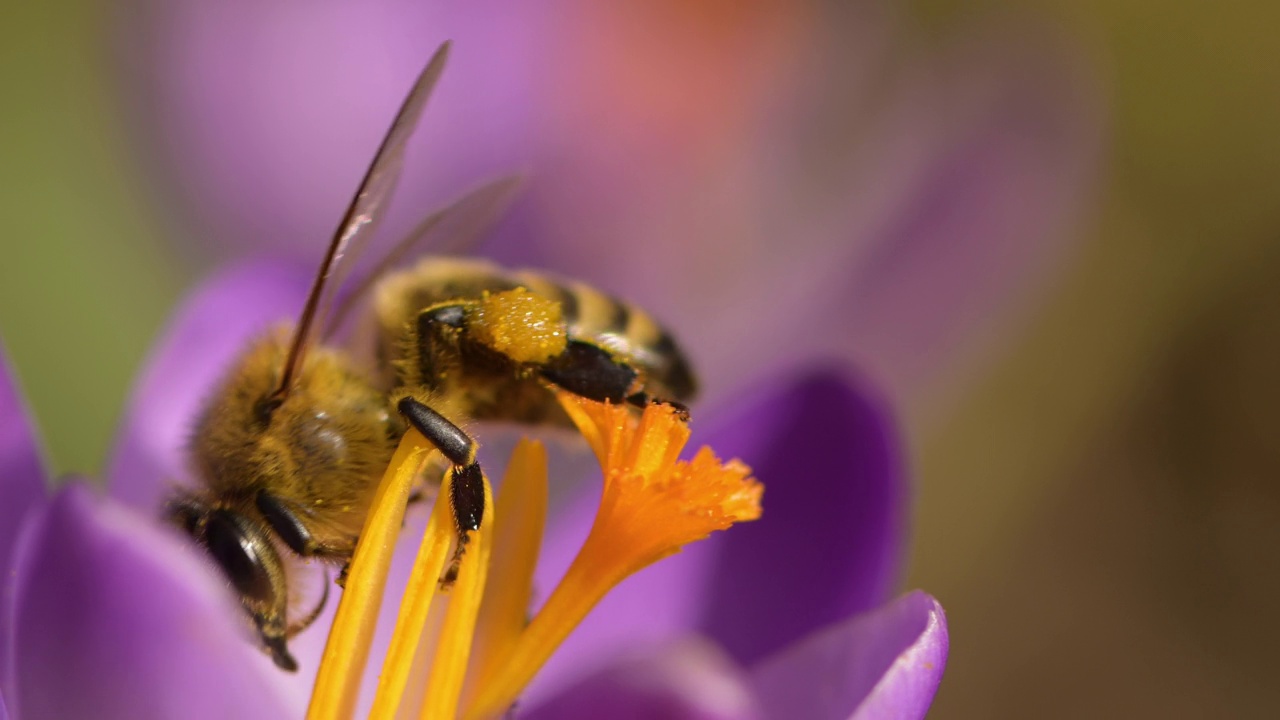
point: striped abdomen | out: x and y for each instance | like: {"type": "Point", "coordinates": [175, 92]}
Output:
{"type": "Point", "coordinates": [626, 331]}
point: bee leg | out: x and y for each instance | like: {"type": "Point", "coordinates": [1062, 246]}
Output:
{"type": "Point", "coordinates": [286, 519]}
{"type": "Point", "coordinates": [298, 626]}
{"type": "Point", "coordinates": [590, 371]}
{"type": "Point", "coordinates": [437, 334]}
{"type": "Point", "coordinates": [466, 498]}
{"type": "Point", "coordinates": [643, 400]}
{"type": "Point", "coordinates": [452, 314]}
{"type": "Point", "coordinates": [466, 494]}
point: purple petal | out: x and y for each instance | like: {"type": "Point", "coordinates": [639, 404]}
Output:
{"type": "Point", "coordinates": [116, 618]}
{"type": "Point", "coordinates": [827, 547]}
{"type": "Point", "coordinates": [885, 664]}
{"type": "Point", "coordinates": [206, 333]}
{"type": "Point", "coordinates": [22, 488]}
{"type": "Point", "coordinates": [830, 542]}
{"type": "Point", "coordinates": [22, 477]}
{"type": "Point", "coordinates": [691, 680]}
{"type": "Point", "coordinates": [888, 228]}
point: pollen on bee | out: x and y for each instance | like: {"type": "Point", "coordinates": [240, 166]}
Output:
{"type": "Point", "coordinates": [521, 325]}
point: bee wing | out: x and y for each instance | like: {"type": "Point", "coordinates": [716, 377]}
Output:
{"type": "Point", "coordinates": [364, 212]}
{"type": "Point", "coordinates": [450, 230]}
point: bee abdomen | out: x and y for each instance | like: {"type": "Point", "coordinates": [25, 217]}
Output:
{"type": "Point", "coordinates": [624, 330]}
{"type": "Point", "coordinates": [621, 328]}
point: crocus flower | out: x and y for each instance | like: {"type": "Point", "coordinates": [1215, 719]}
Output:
{"type": "Point", "coordinates": [109, 614]}
{"type": "Point", "coordinates": [881, 203]}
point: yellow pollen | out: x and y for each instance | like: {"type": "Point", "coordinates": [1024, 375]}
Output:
{"type": "Point", "coordinates": [485, 652]}
{"type": "Point", "coordinates": [519, 324]}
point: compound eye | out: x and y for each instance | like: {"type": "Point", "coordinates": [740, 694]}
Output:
{"type": "Point", "coordinates": [184, 514]}
{"type": "Point", "coordinates": [239, 547]}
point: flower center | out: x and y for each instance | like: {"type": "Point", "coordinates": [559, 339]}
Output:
{"type": "Point", "coordinates": [481, 649]}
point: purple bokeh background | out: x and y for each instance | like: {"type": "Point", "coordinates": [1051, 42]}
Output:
{"type": "Point", "coordinates": [804, 168]}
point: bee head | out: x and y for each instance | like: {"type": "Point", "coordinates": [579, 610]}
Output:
{"type": "Point", "coordinates": [251, 435]}
{"type": "Point", "coordinates": [242, 548]}
{"type": "Point", "coordinates": [266, 460]}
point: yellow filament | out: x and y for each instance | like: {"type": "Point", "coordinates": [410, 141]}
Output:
{"type": "Point", "coordinates": [347, 649]}
{"type": "Point", "coordinates": [582, 587]}
{"type": "Point", "coordinates": [522, 505]}
{"type": "Point", "coordinates": [448, 668]}
{"type": "Point", "coordinates": [415, 605]}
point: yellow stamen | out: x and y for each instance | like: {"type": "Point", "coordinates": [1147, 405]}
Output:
{"type": "Point", "coordinates": [444, 688]}
{"type": "Point", "coordinates": [522, 505]}
{"type": "Point", "coordinates": [414, 608]}
{"type": "Point", "coordinates": [484, 653]}
{"type": "Point", "coordinates": [651, 506]}
{"type": "Point", "coordinates": [347, 649]}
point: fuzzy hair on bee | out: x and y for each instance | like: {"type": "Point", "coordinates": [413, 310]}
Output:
{"type": "Point", "coordinates": [288, 449]}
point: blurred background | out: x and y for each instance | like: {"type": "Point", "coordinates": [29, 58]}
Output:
{"type": "Point", "coordinates": [1098, 507]}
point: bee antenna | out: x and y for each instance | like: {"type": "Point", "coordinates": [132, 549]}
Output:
{"type": "Point", "coordinates": [362, 213]}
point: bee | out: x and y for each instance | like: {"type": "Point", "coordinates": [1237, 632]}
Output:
{"type": "Point", "coordinates": [289, 448]}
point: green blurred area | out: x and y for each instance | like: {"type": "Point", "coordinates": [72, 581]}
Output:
{"type": "Point", "coordinates": [86, 278]}
{"type": "Point", "coordinates": [1095, 511]}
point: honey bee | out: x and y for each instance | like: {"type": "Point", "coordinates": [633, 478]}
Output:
{"type": "Point", "coordinates": [289, 448]}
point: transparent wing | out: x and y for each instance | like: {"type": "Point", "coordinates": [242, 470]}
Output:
{"type": "Point", "coordinates": [364, 212]}
{"type": "Point", "coordinates": [447, 231]}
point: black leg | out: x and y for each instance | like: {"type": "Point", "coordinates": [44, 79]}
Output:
{"type": "Point", "coordinates": [590, 371]}
{"type": "Point", "coordinates": [643, 400]}
{"type": "Point", "coordinates": [466, 498]}
{"type": "Point", "coordinates": [286, 520]}
{"type": "Point", "coordinates": [299, 625]}
{"type": "Point", "coordinates": [438, 332]}
{"type": "Point", "coordinates": [456, 446]}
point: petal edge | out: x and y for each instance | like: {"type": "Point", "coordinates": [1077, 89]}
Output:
{"type": "Point", "coordinates": [887, 663]}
